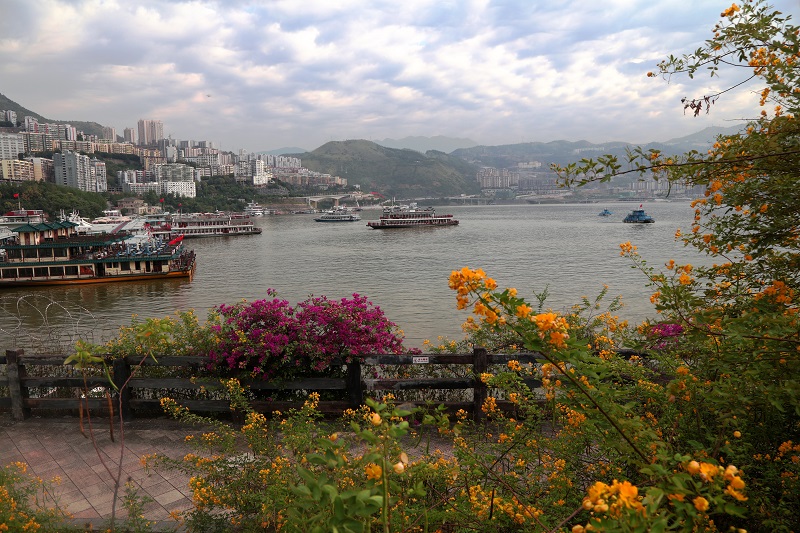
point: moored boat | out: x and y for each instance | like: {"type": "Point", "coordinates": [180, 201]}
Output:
{"type": "Point", "coordinates": [396, 217]}
{"type": "Point", "coordinates": [53, 253]}
{"type": "Point", "coordinates": [253, 209]}
{"type": "Point", "coordinates": [338, 214]}
{"type": "Point", "coordinates": [18, 217]}
{"type": "Point", "coordinates": [638, 216]}
{"type": "Point", "coordinates": [219, 224]}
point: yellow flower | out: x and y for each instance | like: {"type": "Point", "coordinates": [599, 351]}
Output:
{"type": "Point", "coordinates": [737, 434]}
{"type": "Point", "coordinates": [628, 493]}
{"type": "Point", "coordinates": [700, 503]}
{"type": "Point", "coordinates": [373, 471]}
{"type": "Point", "coordinates": [523, 311]}
{"type": "Point", "coordinates": [733, 492]}
{"type": "Point", "coordinates": [375, 418]}
{"type": "Point", "coordinates": [399, 467]}
{"type": "Point", "coordinates": [708, 471]}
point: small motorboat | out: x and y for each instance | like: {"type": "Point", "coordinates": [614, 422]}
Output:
{"type": "Point", "coordinates": [638, 216]}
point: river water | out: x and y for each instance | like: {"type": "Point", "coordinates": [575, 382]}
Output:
{"type": "Point", "coordinates": [568, 249]}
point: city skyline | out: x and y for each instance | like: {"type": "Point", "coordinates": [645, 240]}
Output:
{"type": "Point", "coordinates": [260, 76]}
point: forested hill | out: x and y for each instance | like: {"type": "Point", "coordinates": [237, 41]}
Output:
{"type": "Point", "coordinates": [392, 171]}
{"type": "Point", "coordinates": [90, 128]}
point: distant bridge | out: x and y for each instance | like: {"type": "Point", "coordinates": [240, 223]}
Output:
{"type": "Point", "coordinates": [313, 201]}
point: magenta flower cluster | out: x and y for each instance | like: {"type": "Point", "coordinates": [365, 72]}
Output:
{"type": "Point", "coordinates": [272, 338]}
{"type": "Point", "coordinates": [665, 335]}
{"type": "Point", "coordinates": [666, 330]}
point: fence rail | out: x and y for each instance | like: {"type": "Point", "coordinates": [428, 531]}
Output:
{"type": "Point", "coordinates": [133, 398]}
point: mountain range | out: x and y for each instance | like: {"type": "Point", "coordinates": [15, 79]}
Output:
{"type": "Point", "coordinates": [90, 128]}
{"type": "Point", "coordinates": [436, 166]}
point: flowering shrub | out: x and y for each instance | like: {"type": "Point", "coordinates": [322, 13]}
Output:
{"type": "Point", "coordinates": [28, 503]}
{"type": "Point", "coordinates": [272, 338]}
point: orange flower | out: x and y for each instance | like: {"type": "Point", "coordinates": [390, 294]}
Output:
{"type": "Point", "coordinates": [373, 471]}
{"type": "Point", "coordinates": [700, 503]}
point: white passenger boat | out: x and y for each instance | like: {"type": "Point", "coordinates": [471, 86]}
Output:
{"type": "Point", "coordinates": [254, 210]}
{"type": "Point", "coordinates": [219, 224]}
{"type": "Point", "coordinates": [18, 217]}
{"type": "Point", "coordinates": [396, 217]}
{"type": "Point", "coordinates": [338, 214]}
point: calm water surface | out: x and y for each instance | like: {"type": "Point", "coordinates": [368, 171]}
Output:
{"type": "Point", "coordinates": [567, 249]}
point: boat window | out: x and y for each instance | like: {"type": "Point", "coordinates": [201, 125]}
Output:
{"type": "Point", "coordinates": [71, 271]}
{"type": "Point", "coordinates": [56, 271]}
{"type": "Point", "coordinates": [9, 273]}
{"type": "Point", "coordinates": [40, 272]}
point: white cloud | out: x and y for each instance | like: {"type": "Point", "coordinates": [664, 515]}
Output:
{"type": "Point", "coordinates": [263, 74]}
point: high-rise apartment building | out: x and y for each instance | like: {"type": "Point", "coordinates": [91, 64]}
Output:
{"type": "Point", "coordinates": [73, 170]}
{"type": "Point", "coordinates": [129, 135]}
{"type": "Point", "coordinates": [150, 132]}
{"type": "Point", "coordinates": [11, 145]}
{"type": "Point", "coordinates": [110, 134]}
{"type": "Point", "coordinates": [99, 179]}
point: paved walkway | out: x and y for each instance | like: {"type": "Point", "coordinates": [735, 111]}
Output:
{"type": "Point", "coordinates": [55, 447]}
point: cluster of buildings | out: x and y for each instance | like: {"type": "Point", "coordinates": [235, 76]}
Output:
{"type": "Point", "coordinates": [168, 166]}
{"type": "Point", "coordinates": [534, 179]}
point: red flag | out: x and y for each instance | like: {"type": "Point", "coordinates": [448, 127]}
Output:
{"type": "Point", "coordinates": [161, 200]}
{"type": "Point", "coordinates": [16, 195]}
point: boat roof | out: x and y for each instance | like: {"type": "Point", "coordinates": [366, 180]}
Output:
{"type": "Point", "coordinates": [44, 226]}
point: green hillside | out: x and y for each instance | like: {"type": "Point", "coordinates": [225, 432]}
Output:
{"type": "Point", "coordinates": [90, 128]}
{"type": "Point", "coordinates": [392, 171]}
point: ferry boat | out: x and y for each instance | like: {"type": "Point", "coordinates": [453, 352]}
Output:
{"type": "Point", "coordinates": [18, 217]}
{"type": "Point", "coordinates": [53, 253]}
{"type": "Point", "coordinates": [605, 213]}
{"type": "Point", "coordinates": [395, 217]}
{"type": "Point", "coordinates": [253, 209]}
{"type": "Point", "coordinates": [338, 214]}
{"type": "Point", "coordinates": [638, 216]}
{"type": "Point", "coordinates": [111, 216]}
{"type": "Point", "coordinates": [219, 224]}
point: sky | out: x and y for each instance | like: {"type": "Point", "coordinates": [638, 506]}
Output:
{"type": "Point", "coordinates": [266, 74]}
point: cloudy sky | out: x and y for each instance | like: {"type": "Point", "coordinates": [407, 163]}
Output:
{"type": "Point", "coordinates": [266, 74]}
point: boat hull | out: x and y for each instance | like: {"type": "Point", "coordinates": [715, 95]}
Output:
{"type": "Point", "coordinates": [92, 280]}
{"type": "Point", "coordinates": [378, 225]}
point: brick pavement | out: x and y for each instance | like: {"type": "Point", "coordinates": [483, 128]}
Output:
{"type": "Point", "coordinates": [55, 447]}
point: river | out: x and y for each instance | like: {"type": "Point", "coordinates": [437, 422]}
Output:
{"type": "Point", "coordinates": [567, 249]}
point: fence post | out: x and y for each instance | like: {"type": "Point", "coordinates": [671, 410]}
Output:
{"type": "Point", "coordinates": [122, 371]}
{"type": "Point", "coordinates": [14, 372]}
{"type": "Point", "coordinates": [355, 390]}
{"type": "Point", "coordinates": [480, 363]}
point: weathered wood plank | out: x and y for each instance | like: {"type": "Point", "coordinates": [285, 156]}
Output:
{"type": "Point", "coordinates": [14, 372]}
{"type": "Point", "coordinates": [73, 382]}
{"type": "Point", "coordinates": [418, 383]}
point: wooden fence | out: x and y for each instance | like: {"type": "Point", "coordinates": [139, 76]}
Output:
{"type": "Point", "coordinates": [143, 393]}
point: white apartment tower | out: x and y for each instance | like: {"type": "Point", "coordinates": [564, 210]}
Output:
{"type": "Point", "coordinates": [74, 170]}
{"type": "Point", "coordinates": [11, 145]}
{"type": "Point", "coordinates": [98, 181]}
{"type": "Point", "coordinates": [129, 135]}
